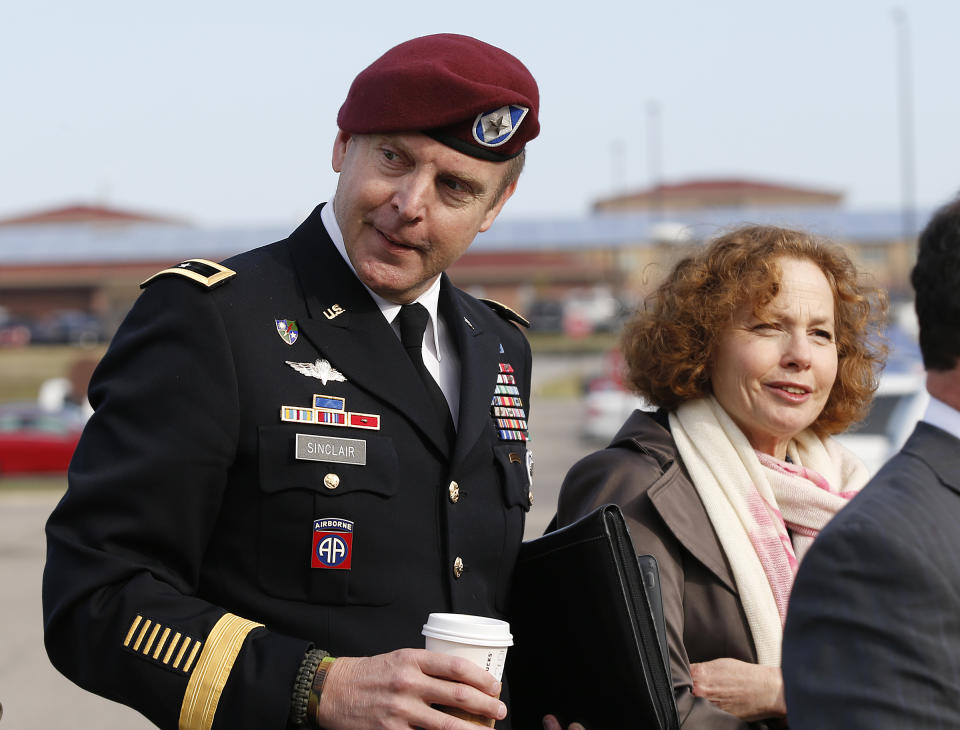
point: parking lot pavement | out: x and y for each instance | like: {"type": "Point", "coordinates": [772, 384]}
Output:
{"type": "Point", "coordinates": [35, 695]}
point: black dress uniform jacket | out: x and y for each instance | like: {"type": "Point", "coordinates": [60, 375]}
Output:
{"type": "Point", "coordinates": [179, 576]}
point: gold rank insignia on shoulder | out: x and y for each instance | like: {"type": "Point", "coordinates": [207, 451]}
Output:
{"type": "Point", "coordinates": [504, 311]}
{"type": "Point", "coordinates": [206, 273]}
{"type": "Point", "coordinates": [161, 644]}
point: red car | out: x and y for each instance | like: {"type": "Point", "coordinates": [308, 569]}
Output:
{"type": "Point", "coordinates": [33, 440]}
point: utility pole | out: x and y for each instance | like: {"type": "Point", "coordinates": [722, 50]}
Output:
{"type": "Point", "coordinates": [654, 152]}
{"type": "Point", "coordinates": [905, 97]}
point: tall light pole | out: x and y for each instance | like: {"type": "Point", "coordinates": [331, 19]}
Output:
{"type": "Point", "coordinates": [618, 175]}
{"type": "Point", "coordinates": [905, 95]}
{"type": "Point", "coordinates": [654, 146]}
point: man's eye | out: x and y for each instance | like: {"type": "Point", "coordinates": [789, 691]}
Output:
{"type": "Point", "coordinates": [457, 186]}
{"type": "Point", "coordinates": [389, 155]}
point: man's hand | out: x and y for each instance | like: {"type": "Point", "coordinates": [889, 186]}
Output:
{"type": "Point", "coordinates": [395, 691]}
{"type": "Point", "coordinates": [749, 691]}
{"type": "Point", "coordinates": [552, 723]}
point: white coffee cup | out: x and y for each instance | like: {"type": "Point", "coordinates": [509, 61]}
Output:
{"type": "Point", "coordinates": [479, 639]}
{"type": "Point", "coordinates": [482, 640]}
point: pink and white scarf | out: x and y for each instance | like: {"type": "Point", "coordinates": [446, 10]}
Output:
{"type": "Point", "coordinates": [766, 512]}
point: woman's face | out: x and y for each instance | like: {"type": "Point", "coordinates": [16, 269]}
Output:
{"type": "Point", "coordinates": [774, 370]}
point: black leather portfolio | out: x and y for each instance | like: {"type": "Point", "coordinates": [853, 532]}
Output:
{"type": "Point", "coordinates": [589, 641]}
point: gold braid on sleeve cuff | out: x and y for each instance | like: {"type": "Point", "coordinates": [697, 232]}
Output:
{"type": "Point", "coordinates": [212, 670]}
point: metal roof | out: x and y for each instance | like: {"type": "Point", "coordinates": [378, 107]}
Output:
{"type": "Point", "coordinates": [76, 243]}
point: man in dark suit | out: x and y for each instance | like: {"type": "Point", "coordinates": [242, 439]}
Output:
{"type": "Point", "coordinates": [873, 628]}
{"type": "Point", "coordinates": [299, 453]}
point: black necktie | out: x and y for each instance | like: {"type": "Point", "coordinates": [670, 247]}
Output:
{"type": "Point", "coordinates": [413, 322]}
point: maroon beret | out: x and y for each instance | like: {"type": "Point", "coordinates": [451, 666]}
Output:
{"type": "Point", "coordinates": [465, 93]}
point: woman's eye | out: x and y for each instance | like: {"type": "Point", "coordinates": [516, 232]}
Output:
{"type": "Point", "coordinates": [823, 335]}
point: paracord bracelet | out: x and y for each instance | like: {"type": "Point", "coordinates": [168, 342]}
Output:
{"type": "Point", "coordinates": [319, 677]}
{"type": "Point", "coordinates": [302, 684]}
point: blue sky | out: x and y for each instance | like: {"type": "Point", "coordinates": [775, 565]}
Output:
{"type": "Point", "coordinates": [224, 112]}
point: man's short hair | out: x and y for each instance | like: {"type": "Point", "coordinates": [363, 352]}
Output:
{"type": "Point", "coordinates": [936, 282]}
{"type": "Point", "coordinates": [512, 169]}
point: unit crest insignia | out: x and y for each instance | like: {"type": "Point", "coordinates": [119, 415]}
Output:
{"type": "Point", "coordinates": [288, 330]}
{"type": "Point", "coordinates": [494, 128]}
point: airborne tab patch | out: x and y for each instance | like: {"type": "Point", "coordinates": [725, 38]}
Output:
{"type": "Point", "coordinates": [206, 273]}
{"type": "Point", "coordinates": [332, 543]}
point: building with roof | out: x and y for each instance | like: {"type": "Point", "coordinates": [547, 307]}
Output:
{"type": "Point", "coordinates": [707, 193]}
{"type": "Point", "coordinates": [92, 259]}
{"type": "Point", "coordinates": [100, 215]}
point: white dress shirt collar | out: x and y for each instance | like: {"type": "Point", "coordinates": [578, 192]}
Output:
{"type": "Point", "coordinates": [942, 416]}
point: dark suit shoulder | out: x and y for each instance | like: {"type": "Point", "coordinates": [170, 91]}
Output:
{"type": "Point", "coordinates": [478, 314]}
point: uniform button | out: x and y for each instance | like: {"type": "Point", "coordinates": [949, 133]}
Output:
{"type": "Point", "coordinates": [458, 567]}
{"type": "Point", "coordinates": [454, 491]}
{"type": "Point", "coordinates": [530, 497]}
{"type": "Point", "coordinates": [331, 481]}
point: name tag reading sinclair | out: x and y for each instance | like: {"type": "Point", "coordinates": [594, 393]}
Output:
{"type": "Point", "coordinates": [326, 448]}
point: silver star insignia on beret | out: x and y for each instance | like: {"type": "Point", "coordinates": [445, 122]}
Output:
{"type": "Point", "coordinates": [322, 370]}
{"type": "Point", "coordinates": [497, 125]}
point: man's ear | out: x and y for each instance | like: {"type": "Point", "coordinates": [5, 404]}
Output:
{"type": "Point", "coordinates": [495, 209]}
{"type": "Point", "coordinates": [340, 149]}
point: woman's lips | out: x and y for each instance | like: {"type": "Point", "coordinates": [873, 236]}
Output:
{"type": "Point", "coordinates": [790, 391]}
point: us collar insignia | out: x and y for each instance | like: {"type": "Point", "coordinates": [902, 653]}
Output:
{"type": "Point", "coordinates": [329, 410]}
{"type": "Point", "coordinates": [288, 331]}
{"type": "Point", "coordinates": [333, 312]}
{"type": "Point", "coordinates": [322, 370]}
{"type": "Point", "coordinates": [496, 127]}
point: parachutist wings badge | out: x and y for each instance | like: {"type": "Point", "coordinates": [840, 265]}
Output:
{"type": "Point", "coordinates": [322, 370]}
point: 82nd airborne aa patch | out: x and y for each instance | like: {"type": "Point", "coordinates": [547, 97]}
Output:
{"type": "Point", "coordinates": [332, 543]}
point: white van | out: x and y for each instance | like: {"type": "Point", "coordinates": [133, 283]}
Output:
{"type": "Point", "coordinates": [898, 404]}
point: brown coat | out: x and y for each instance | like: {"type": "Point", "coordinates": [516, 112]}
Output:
{"type": "Point", "coordinates": [641, 472]}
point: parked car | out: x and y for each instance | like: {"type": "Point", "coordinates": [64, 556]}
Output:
{"type": "Point", "coordinates": [14, 331]}
{"type": "Point", "coordinates": [33, 440]}
{"type": "Point", "coordinates": [606, 406]}
{"type": "Point", "coordinates": [546, 315]}
{"type": "Point", "coordinates": [68, 326]}
{"type": "Point", "coordinates": [898, 404]}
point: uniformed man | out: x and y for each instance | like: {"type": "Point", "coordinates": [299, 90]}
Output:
{"type": "Point", "coordinates": [289, 466]}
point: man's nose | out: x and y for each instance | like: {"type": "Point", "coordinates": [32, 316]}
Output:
{"type": "Point", "coordinates": [410, 197]}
